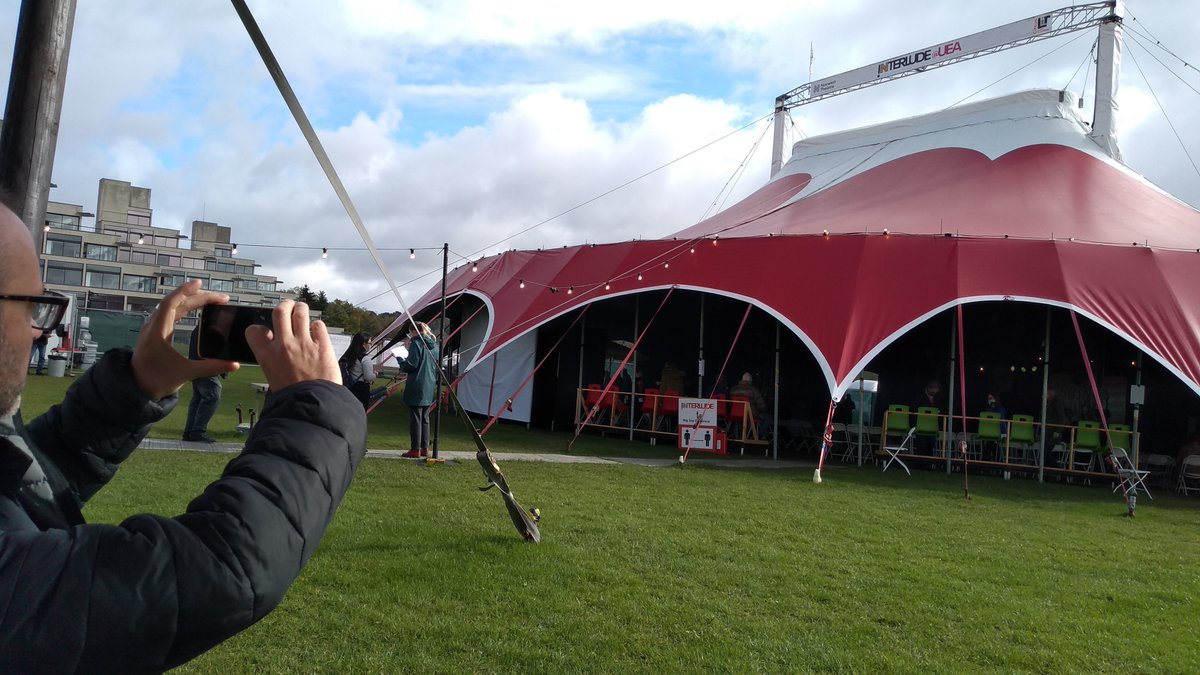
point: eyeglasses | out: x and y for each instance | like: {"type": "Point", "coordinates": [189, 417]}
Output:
{"type": "Point", "coordinates": [46, 310]}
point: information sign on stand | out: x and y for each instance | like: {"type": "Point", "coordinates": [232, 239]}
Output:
{"type": "Point", "coordinates": [697, 412]}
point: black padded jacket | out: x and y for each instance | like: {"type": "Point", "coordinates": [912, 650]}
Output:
{"type": "Point", "coordinates": [153, 592]}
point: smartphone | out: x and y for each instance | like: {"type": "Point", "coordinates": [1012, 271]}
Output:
{"type": "Point", "coordinates": [223, 331]}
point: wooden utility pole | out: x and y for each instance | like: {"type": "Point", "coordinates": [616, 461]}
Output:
{"type": "Point", "coordinates": [35, 92]}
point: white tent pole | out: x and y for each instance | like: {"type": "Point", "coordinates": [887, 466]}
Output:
{"type": "Point", "coordinates": [954, 356]}
{"type": "Point", "coordinates": [775, 421]}
{"type": "Point", "coordinates": [1108, 75]}
{"type": "Point", "coordinates": [1045, 388]}
{"type": "Point", "coordinates": [582, 332]}
{"type": "Point", "coordinates": [859, 411]}
{"type": "Point", "coordinates": [633, 402]}
{"type": "Point", "coordinates": [700, 362]}
{"type": "Point", "coordinates": [777, 142]}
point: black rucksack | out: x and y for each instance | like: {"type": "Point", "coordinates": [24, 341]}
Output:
{"type": "Point", "coordinates": [347, 379]}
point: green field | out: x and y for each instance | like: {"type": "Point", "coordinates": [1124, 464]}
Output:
{"type": "Point", "coordinates": [706, 568]}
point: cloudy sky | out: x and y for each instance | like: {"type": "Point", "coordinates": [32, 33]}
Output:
{"type": "Point", "coordinates": [520, 124]}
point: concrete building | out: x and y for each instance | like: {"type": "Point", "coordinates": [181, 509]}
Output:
{"type": "Point", "coordinates": [124, 262]}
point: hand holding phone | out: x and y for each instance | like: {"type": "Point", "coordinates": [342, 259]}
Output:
{"type": "Point", "coordinates": [295, 349]}
{"type": "Point", "coordinates": [223, 331]}
{"type": "Point", "coordinates": [157, 366]}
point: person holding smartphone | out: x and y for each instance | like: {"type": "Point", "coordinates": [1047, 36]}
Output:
{"type": "Point", "coordinates": [421, 386]}
{"type": "Point", "coordinates": [152, 592]}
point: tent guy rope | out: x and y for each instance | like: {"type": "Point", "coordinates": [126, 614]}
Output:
{"type": "Point", "coordinates": [526, 523]}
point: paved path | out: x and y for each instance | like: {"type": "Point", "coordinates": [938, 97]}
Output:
{"type": "Point", "coordinates": [459, 455]}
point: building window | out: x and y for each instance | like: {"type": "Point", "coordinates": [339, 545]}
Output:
{"type": "Point", "coordinates": [171, 279]}
{"type": "Point", "coordinates": [223, 285]}
{"type": "Point", "coordinates": [138, 219]}
{"type": "Point", "coordinates": [247, 284]}
{"type": "Point", "coordinates": [140, 284]}
{"type": "Point", "coordinates": [101, 301]}
{"type": "Point", "coordinates": [64, 245]}
{"type": "Point", "coordinates": [100, 252]}
{"type": "Point", "coordinates": [223, 253]}
{"type": "Point", "coordinates": [165, 242]}
{"type": "Point", "coordinates": [192, 263]}
{"type": "Point", "coordinates": [143, 305]}
{"type": "Point", "coordinates": [142, 257]}
{"type": "Point", "coordinates": [64, 274]}
{"type": "Point", "coordinates": [62, 222]}
{"type": "Point", "coordinates": [267, 286]}
{"type": "Point", "coordinates": [220, 266]}
{"type": "Point", "coordinates": [102, 277]}
{"type": "Point", "coordinates": [168, 260]}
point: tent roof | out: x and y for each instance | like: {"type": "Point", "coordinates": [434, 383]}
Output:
{"type": "Point", "coordinates": [867, 233]}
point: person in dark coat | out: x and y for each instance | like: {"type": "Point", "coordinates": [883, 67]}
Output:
{"type": "Point", "coordinates": [358, 366]}
{"type": "Point", "coordinates": [154, 592]}
{"type": "Point", "coordinates": [38, 356]}
{"type": "Point", "coordinates": [420, 389]}
{"type": "Point", "coordinates": [206, 399]}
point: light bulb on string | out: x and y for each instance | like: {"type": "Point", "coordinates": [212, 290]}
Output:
{"type": "Point", "coordinates": [522, 284]}
{"type": "Point", "coordinates": [324, 253]}
{"type": "Point", "coordinates": [234, 250]}
{"type": "Point", "coordinates": [412, 254]}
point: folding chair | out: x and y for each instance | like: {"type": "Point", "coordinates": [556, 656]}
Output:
{"type": "Point", "coordinates": [1162, 469]}
{"type": "Point", "coordinates": [929, 427]}
{"type": "Point", "coordinates": [893, 451]}
{"type": "Point", "coordinates": [842, 447]}
{"type": "Point", "coordinates": [1021, 438]}
{"type": "Point", "coordinates": [669, 409]}
{"type": "Point", "coordinates": [649, 407]}
{"type": "Point", "coordinates": [897, 421]}
{"type": "Point", "coordinates": [1189, 475]}
{"type": "Point", "coordinates": [989, 431]}
{"type": "Point", "coordinates": [1131, 477]}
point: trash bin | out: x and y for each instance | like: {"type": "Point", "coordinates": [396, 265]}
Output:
{"type": "Point", "coordinates": [56, 365]}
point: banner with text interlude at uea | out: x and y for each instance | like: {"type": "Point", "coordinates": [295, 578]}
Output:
{"type": "Point", "coordinates": [923, 58]}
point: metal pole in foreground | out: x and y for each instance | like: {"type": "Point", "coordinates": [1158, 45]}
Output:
{"type": "Point", "coordinates": [437, 413]}
{"type": "Point", "coordinates": [31, 115]}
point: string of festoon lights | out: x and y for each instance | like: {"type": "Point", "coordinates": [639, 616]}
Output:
{"type": "Point", "coordinates": [412, 250]}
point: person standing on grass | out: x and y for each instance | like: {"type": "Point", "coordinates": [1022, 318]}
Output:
{"type": "Point", "coordinates": [420, 389]}
{"type": "Point", "coordinates": [358, 368]}
{"type": "Point", "coordinates": [153, 592]}
{"type": "Point", "coordinates": [206, 398]}
{"type": "Point", "coordinates": [38, 356]}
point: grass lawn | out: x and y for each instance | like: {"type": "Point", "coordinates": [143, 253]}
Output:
{"type": "Point", "coordinates": [711, 569]}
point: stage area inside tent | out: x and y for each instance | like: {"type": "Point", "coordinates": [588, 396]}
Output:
{"type": "Point", "coordinates": [702, 334]}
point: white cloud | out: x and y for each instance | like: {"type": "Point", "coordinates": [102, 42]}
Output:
{"type": "Point", "coordinates": [469, 121]}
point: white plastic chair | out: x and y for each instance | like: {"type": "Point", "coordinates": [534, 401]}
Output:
{"type": "Point", "coordinates": [893, 451]}
{"type": "Point", "coordinates": [1130, 477]}
{"type": "Point", "coordinates": [1189, 475]}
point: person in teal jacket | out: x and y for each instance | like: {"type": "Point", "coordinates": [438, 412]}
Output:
{"type": "Point", "coordinates": [420, 390]}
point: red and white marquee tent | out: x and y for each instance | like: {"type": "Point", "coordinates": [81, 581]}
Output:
{"type": "Point", "coordinates": [865, 234]}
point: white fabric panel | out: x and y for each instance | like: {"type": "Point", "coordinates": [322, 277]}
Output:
{"type": "Point", "coordinates": [487, 386]}
{"type": "Point", "coordinates": [1029, 117]}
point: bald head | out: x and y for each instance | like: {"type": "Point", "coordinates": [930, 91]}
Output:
{"type": "Point", "coordinates": [18, 276]}
{"type": "Point", "coordinates": [15, 242]}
